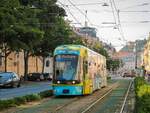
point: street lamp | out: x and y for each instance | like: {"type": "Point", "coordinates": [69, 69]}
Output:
{"type": "Point", "coordinates": [105, 4]}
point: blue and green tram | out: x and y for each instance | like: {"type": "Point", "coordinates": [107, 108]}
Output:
{"type": "Point", "coordinates": [78, 70]}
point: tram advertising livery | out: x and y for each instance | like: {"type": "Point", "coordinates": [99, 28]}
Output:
{"type": "Point", "coordinates": [78, 70]}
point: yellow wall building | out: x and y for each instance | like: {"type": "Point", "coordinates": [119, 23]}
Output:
{"type": "Point", "coordinates": [146, 57]}
{"type": "Point", "coordinates": [15, 63]}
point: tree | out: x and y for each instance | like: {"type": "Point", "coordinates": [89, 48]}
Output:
{"type": "Point", "coordinates": [100, 49]}
{"type": "Point", "coordinates": [28, 38]}
{"type": "Point", "coordinates": [7, 33]}
{"type": "Point", "coordinates": [57, 31]}
{"type": "Point", "coordinates": [28, 32]}
{"type": "Point", "coordinates": [35, 27]}
{"type": "Point", "coordinates": [19, 29]}
{"type": "Point", "coordinates": [113, 64]}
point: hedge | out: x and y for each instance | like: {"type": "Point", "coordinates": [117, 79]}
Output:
{"type": "Point", "coordinates": [142, 93]}
{"type": "Point", "coordinates": [4, 104]}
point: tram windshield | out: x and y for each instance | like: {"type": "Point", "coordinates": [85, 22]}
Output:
{"type": "Point", "coordinates": [65, 67]}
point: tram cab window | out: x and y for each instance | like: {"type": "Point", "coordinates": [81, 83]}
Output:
{"type": "Point", "coordinates": [66, 67]}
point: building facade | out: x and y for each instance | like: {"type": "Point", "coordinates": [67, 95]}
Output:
{"type": "Point", "coordinates": [127, 58]}
{"type": "Point", "coordinates": [15, 63]}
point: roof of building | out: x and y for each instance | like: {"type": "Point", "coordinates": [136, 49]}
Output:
{"type": "Point", "coordinates": [122, 54]}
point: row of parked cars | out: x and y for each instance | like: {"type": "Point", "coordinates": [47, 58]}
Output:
{"type": "Point", "coordinates": [13, 80]}
{"type": "Point", "coordinates": [39, 76]}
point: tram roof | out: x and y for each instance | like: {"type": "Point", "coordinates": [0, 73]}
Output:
{"type": "Point", "coordinates": [77, 48]}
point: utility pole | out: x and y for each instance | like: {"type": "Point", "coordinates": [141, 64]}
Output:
{"type": "Point", "coordinates": [135, 54]}
{"type": "Point", "coordinates": [86, 24]}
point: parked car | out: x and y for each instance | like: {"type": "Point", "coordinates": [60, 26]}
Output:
{"type": "Point", "coordinates": [47, 76]}
{"type": "Point", "coordinates": [35, 77]}
{"type": "Point", "coordinates": [9, 79]}
{"type": "Point", "coordinates": [129, 74]}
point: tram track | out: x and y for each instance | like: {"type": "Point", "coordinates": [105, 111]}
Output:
{"type": "Point", "coordinates": [97, 101]}
{"type": "Point", "coordinates": [80, 103]}
{"type": "Point", "coordinates": [126, 96]}
{"type": "Point", "coordinates": [61, 107]}
{"type": "Point", "coordinates": [99, 105]}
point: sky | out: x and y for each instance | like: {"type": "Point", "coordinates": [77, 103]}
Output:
{"type": "Point", "coordinates": [132, 23]}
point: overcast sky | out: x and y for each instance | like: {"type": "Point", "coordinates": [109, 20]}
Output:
{"type": "Point", "coordinates": [134, 18]}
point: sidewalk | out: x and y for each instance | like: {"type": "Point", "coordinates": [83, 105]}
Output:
{"type": "Point", "coordinates": [34, 83]}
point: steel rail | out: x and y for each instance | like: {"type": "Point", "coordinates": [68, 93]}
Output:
{"type": "Point", "coordinates": [125, 99]}
{"type": "Point", "coordinates": [110, 90]}
{"type": "Point", "coordinates": [61, 107]}
{"type": "Point", "coordinates": [78, 98]}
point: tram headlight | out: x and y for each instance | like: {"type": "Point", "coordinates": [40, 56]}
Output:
{"type": "Point", "coordinates": [73, 82]}
{"type": "Point", "coordinates": [58, 82]}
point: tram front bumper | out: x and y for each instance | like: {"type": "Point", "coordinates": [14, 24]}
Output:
{"type": "Point", "coordinates": [67, 90]}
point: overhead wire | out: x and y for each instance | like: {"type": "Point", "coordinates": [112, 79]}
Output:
{"type": "Point", "coordinates": [74, 17]}
{"type": "Point", "coordinates": [69, 11]}
{"type": "Point", "coordinates": [72, 4]}
{"type": "Point", "coordinates": [113, 12]}
{"type": "Point", "coordinates": [85, 4]}
{"type": "Point", "coordinates": [113, 2]}
{"type": "Point", "coordinates": [80, 11]}
{"type": "Point", "coordinates": [135, 11]}
{"type": "Point", "coordinates": [142, 22]}
{"type": "Point", "coordinates": [116, 22]}
{"type": "Point", "coordinates": [143, 4]}
{"type": "Point", "coordinates": [119, 22]}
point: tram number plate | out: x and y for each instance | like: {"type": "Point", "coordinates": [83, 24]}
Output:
{"type": "Point", "coordinates": [65, 91]}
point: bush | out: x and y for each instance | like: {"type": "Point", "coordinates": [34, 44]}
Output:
{"type": "Point", "coordinates": [4, 104]}
{"type": "Point", "coordinates": [108, 77]}
{"type": "Point", "coordinates": [46, 94]}
{"type": "Point", "coordinates": [143, 104]}
{"type": "Point", "coordinates": [139, 81]}
{"type": "Point", "coordinates": [142, 92]}
{"type": "Point", "coordinates": [20, 100]}
{"type": "Point", "coordinates": [32, 97]}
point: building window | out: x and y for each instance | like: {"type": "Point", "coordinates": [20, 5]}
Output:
{"type": "Point", "coordinates": [0, 60]}
{"type": "Point", "coordinates": [47, 63]}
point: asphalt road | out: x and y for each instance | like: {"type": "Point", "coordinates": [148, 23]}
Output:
{"type": "Point", "coordinates": [8, 93]}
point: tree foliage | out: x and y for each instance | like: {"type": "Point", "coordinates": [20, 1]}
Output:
{"type": "Point", "coordinates": [113, 64]}
{"type": "Point", "coordinates": [35, 27]}
{"type": "Point", "coordinates": [18, 28]}
{"type": "Point", "coordinates": [7, 33]}
{"type": "Point", "coordinates": [100, 49]}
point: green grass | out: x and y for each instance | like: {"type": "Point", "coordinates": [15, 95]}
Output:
{"type": "Point", "coordinates": [5, 104]}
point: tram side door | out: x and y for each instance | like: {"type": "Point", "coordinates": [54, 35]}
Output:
{"type": "Point", "coordinates": [86, 86]}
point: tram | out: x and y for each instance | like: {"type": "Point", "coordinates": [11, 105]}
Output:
{"type": "Point", "coordinates": [78, 70]}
